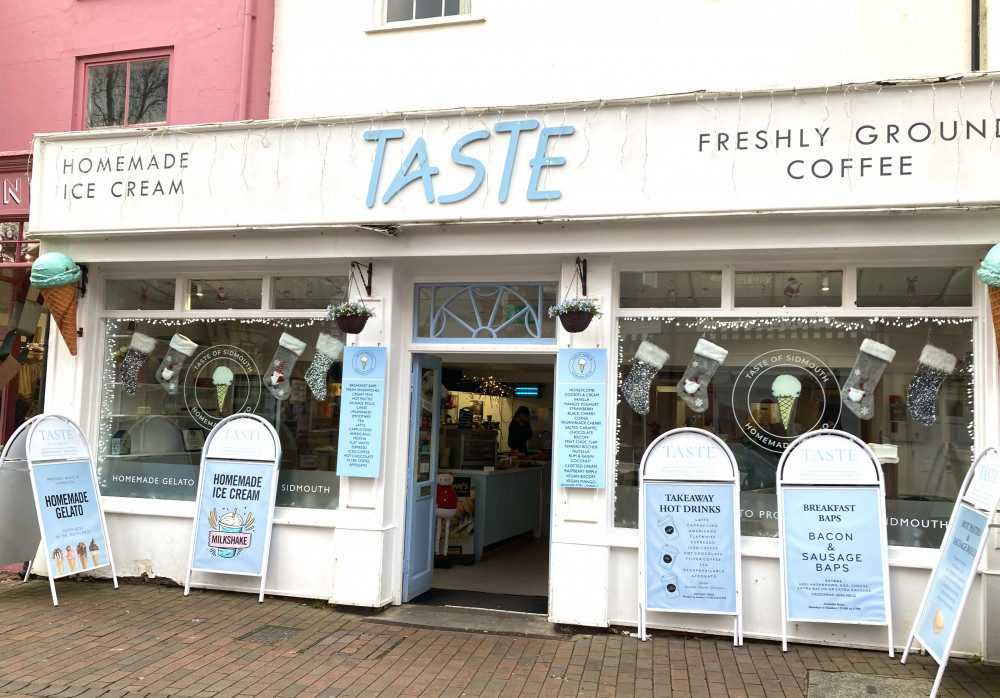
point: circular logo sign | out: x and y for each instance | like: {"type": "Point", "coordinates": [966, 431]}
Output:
{"type": "Point", "coordinates": [364, 362]}
{"type": "Point", "coordinates": [222, 380]}
{"type": "Point", "coordinates": [582, 365]}
{"type": "Point", "coordinates": [783, 394]}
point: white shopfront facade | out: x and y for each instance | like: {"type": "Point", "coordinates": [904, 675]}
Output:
{"type": "Point", "coordinates": [720, 216]}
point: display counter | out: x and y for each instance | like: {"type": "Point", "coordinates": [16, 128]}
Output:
{"type": "Point", "coordinates": [508, 502]}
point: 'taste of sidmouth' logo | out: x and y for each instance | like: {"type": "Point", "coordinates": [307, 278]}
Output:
{"type": "Point", "coordinates": [222, 380]}
{"type": "Point", "coordinates": [783, 394]}
{"type": "Point", "coordinates": [582, 365]}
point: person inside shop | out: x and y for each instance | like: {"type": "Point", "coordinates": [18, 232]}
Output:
{"type": "Point", "coordinates": [519, 431]}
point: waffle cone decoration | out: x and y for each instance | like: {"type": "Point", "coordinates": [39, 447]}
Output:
{"type": "Point", "coordinates": [62, 307]}
{"type": "Point", "coordinates": [995, 310]}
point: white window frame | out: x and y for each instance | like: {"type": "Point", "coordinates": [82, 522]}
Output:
{"type": "Point", "coordinates": [380, 22]}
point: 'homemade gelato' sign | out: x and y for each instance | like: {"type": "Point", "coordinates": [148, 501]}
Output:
{"type": "Point", "coordinates": [857, 146]}
{"type": "Point", "coordinates": [581, 406]}
{"type": "Point", "coordinates": [362, 401]}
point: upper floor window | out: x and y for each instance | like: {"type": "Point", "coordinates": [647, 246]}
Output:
{"type": "Point", "coordinates": [406, 10]}
{"type": "Point", "coordinates": [127, 92]}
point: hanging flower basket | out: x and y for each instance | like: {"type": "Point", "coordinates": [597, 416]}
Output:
{"type": "Point", "coordinates": [350, 316]}
{"type": "Point", "coordinates": [575, 314]}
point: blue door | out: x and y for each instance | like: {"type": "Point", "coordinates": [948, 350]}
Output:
{"type": "Point", "coordinates": [418, 549]}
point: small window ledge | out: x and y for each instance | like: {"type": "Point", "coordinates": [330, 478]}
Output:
{"type": "Point", "coordinates": [429, 22]}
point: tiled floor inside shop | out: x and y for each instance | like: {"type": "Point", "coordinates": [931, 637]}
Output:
{"type": "Point", "coordinates": [519, 566]}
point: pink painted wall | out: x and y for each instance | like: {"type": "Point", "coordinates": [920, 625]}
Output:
{"type": "Point", "coordinates": [41, 40]}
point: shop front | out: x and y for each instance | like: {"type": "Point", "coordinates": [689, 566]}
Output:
{"type": "Point", "coordinates": [804, 238]}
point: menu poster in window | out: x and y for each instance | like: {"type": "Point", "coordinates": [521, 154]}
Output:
{"type": "Point", "coordinates": [690, 552]}
{"type": "Point", "coordinates": [230, 533]}
{"type": "Point", "coordinates": [362, 403]}
{"type": "Point", "coordinates": [581, 412]}
{"type": "Point", "coordinates": [71, 517]}
{"type": "Point", "coordinates": [834, 562]}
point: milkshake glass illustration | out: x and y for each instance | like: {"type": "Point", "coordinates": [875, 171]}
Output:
{"type": "Point", "coordinates": [669, 581]}
{"type": "Point", "coordinates": [666, 524]}
{"type": "Point", "coordinates": [668, 554]}
{"type": "Point", "coordinates": [230, 523]}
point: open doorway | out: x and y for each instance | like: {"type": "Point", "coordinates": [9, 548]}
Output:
{"type": "Point", "coordinates": [494, 451]}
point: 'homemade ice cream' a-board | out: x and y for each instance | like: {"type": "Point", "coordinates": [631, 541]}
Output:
{"type": "Point", "coordinates": [67, 499]}
{"type": "Point", "coordinates": [236, 489]}
{"type": "Point", "coordinates": [689, 536]}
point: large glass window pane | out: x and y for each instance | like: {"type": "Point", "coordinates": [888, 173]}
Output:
{"type": "Point", "coordinates": [308, 291]}
{"type": "Point", "coordinates": [150, 441]}
{"type": "Point", "coordinates": [749, 408]}
{"type": "Point", "coordinates": [145, 294]}
{"type": "Point", "coordinates": [915, 286]}
{"type": "Point", "coordinates": [225, 294]}
{"type": "Point", "coordinates": [671, 289]}
{"type": "Point", "coordinates": [428, 8]}
{"type": "Point", "coordinates": [770, 289]}
{"type": "Point", "coordinates": [106, 95]}
{"type": "Point", "coordinates": [147, 91]}
{"type": "Point", "coordinates": [398, 10]}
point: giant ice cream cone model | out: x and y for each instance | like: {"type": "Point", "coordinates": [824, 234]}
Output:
{"type": "Point", "coordinates": [786, 390]}
{"type": "Point", "coordinates": [989, 274]}
{"type": "Point", "coordinates": [56, 276]}
{"type": "Point", "coordinates": [222, 377]}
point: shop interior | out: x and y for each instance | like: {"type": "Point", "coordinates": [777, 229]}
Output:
{"type": "Point", "coordinates": [498, 538]}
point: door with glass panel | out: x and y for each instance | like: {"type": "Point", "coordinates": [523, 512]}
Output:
{"type": "Point", "coordinates": [418, 551]}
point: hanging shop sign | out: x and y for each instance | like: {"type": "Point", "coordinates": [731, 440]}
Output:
{"type": "Point", "coordinates": [362, 403]}
{"type": "Point", "coordinates": [67, 501]}
{"type": "Point", "coordinates": [859, 146]}
{"type": "Point", "coordinates": [232, 527]}
{"type": "Point", "coordinates": [831, 501]}
{"type": "Point", "coordinates": [948, 587]}
{"type": "Point", "coordinates": [580, 415]}
{"type": "Point", "coordinates": [689, 543]}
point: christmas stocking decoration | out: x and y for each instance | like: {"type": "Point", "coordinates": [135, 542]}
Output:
{"type": "Point", "coordinates": [649, 359]}
{"type": "Point", "coordinates": [693, 387]}
{"type": "Point", "coordinates": [859, 390]}
{"type": "Point", "coordinates": [140, 349]}
{"type": "Point", "coordinates": [280, 370]}
{"type": "Point", "coordinates": [328, 348]}
{"type": "Point", "coordinates": [180, 350]}
{"type": "Point", "coordinates": [935, 365]}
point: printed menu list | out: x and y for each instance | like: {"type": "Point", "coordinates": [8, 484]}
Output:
{"type": "Point", "coordinates": [581, 408]}
{"type": "Point", "coordinates": [359, 446]}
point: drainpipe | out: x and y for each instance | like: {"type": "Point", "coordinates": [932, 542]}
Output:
{"type": "Point", "coordinates": [249, 14]}
{"type": "Point", "coordinates": [976, 37]}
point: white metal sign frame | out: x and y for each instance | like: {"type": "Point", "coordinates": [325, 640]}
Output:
{"type": "Point", "coordinates": [980, 493]}
{"type": "Point", "coordinates": [74, 448]}
{"type": "Point", "coordinates": [683, 457]}
{"type": "Point", "coordinates": [238, 451]}
{"type": "Point", "coordinates": [803, 474]}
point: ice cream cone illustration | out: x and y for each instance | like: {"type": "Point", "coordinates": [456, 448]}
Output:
{"type": "Point", "coordinates": [222, 377]}
{"type": "Point", "coordinates": [56, 276]}
{"type": "Point", "coordinates": [95, 551]}
{"type": "Point", "coordinates": [81, 554]}
{"type": "Point", "coordinates": [364, 362]}
{"type": "Point", "coordinates": [583, 365]}
{"type": "Point", "coordinates": [57, 557]}
{"type": "Point", "coordinates": [786, 389]}
{"type": "Point", "coordinates": [938, 621]}
{"type": "Point", "coordinates": [71, 558]}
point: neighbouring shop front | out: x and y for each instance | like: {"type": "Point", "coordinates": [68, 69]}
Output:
{"type": "Point", "coordinates": [793, 232]}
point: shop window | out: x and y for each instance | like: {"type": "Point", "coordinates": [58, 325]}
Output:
{"type": "Point", "coordinates": [127, 92]}
{"type": "Point", "coordinates": [144, 294]}
{"type": "Point", "coordinates": [225, 294]}
{"type": "Point", "coordinates": [919, 287]}
{"type": "Point", "coordinates": [758, 416]}
{"type": "Point", "coordinates": [150, 442]}
{"type": "Point", "coordinates": [406, 10]}
{"type": "Point", "coordinates": [485, 313]}
{"type": "Point", "coordinates": [307, 292]}
{"type": "Point", "coordinates": [671, 289]}
{"type": "Point", "coordinates": [781, 289]}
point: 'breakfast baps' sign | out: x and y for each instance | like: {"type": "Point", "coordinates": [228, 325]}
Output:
{"type": "Point", "coordinates": [362, 403]}
{"type": "Point", "coordinates": [689, 557]}
{"type": "Point", "coordinates": [831, 503]}
{"type": "Point", "coordinates": [949, 584]}
{"type": "Point", "coordinates": [70, 517]}
{"type": "Point", "coordinates": [232, 528]}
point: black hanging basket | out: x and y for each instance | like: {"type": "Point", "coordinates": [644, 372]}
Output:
{"type": "Point", "coordinates": [351, 324]}
{"type": "Point", "coordinates": [576, 320]}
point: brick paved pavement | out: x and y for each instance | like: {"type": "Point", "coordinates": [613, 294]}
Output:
{"type": "Point", "coordinates": [150, 640]}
